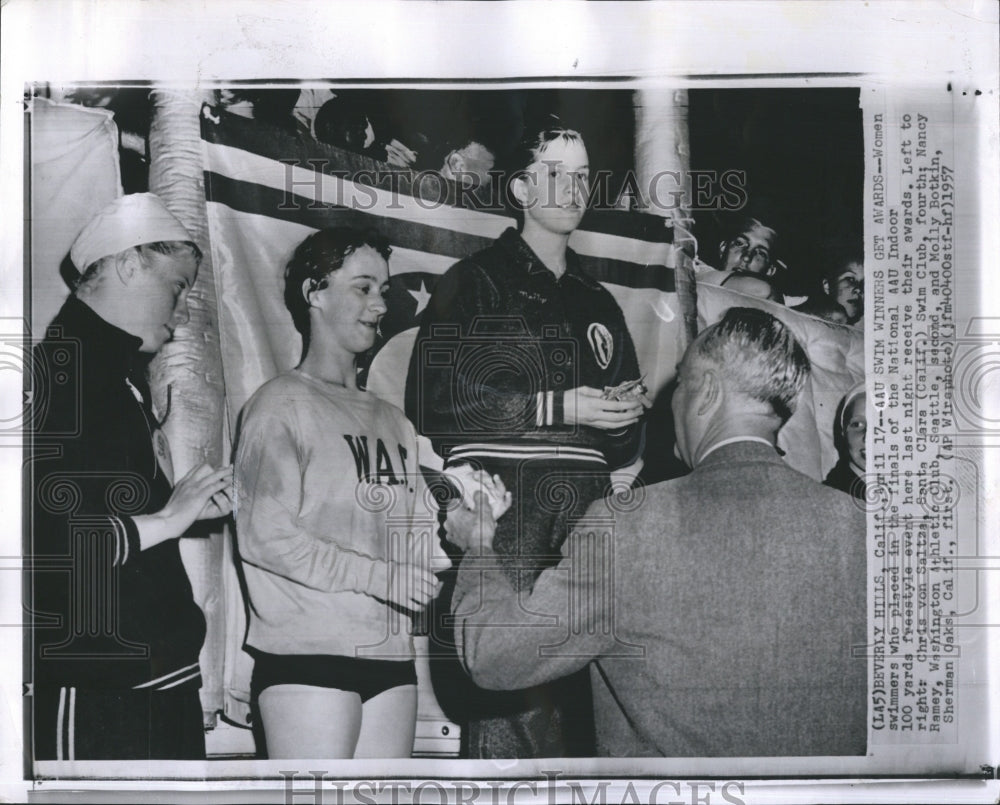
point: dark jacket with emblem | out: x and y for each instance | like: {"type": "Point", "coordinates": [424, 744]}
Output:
{"type": "Point", "coordinates": [500, 342]}
{"type": "Point", "coordinates": [104, 613]}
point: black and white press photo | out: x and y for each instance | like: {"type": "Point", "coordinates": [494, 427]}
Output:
{"type": "Point", "coordinates": [397, 426]}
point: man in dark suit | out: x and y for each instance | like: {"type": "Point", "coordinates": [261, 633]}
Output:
{"type": "Point", "coordinates": [723, 613]}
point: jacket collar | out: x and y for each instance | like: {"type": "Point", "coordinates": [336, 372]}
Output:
{"type": "Point", "coordinates": [526, 260]}
{"type": "Point", "coordinates": [735, 452]}
{"type": "Point", "coordinates": [110, 349]}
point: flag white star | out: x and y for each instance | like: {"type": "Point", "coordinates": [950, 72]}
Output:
{"type": "Point", "coordinates": [422, 297]}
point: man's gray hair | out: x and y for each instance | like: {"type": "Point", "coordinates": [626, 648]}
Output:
{"type": "Point", "coordinates": [759, 357]}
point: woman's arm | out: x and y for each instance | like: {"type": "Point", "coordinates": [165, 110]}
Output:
{"type": "Point", "coordinates": [268, 496]}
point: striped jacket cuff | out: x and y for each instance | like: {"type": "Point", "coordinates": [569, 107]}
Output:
{"type": "Point", "coordinates": [126, 538]}
{"type": "Point", "coordinates": [548, 409]}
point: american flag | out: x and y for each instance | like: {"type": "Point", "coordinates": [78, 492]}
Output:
{"type": "Point", "coordinates": [267, 189]}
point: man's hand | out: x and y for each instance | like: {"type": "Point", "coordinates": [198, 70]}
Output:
{"type": "Point", "coordinates": [220, 504]}
{"type": "Point", "coordinates": [587, 406]}
{"type": "Point", "coordinates": [472, 529]}
{"type": "Point", "coordinates": [398, 154]}
{"type": "Point", "coordinates": [470, 481]}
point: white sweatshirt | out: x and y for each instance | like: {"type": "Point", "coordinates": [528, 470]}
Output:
{"type": "Point", "coordinates": [328, 488]}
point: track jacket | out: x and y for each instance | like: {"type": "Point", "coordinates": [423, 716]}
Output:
{"type": "Point", "coordinates": [500, 342]}
{"type": "Point", "coordinates": [104, 613]}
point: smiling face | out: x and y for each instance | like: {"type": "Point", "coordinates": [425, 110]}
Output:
{"type": "Point", "coordinates": [855, 430]}
{"type": "Point", "coordinates": [345, 314]}
{"type": "Point", "coordinates": [553, 189]}
{"type": "Point", "coordinates": [155, 299]}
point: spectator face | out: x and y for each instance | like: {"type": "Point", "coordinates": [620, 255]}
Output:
{"type": "Point", "coordinates": [848, 291]}
{"type": "Point", "coordinates": [344, 124]}
{"type": "Point", "coordinates": [354, 136]}
{"type": "Point", "coordinates": [155, 301]}
{"type": "Point", "coordinates": [749, 252]}
{"type": "Point", "coordinates": [855, 430]}
{"type": "Point", "coordinates": [349, 308]}
{"type": "Point", "coordinates": [553, 189]}
{"type": "Point", "coordinates": [471, 165]}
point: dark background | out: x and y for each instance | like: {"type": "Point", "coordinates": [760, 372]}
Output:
{"type": "Point", "coordinates": [801, 149]}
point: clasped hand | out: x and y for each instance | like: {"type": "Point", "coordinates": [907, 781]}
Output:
{"type": "Point", "coordinates": [588, 406]}
{"type": "Point", "coordinates": [203, 494]}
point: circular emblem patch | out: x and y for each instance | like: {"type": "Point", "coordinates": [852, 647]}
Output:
{"type": "Point", "coordinates": [601, 343]}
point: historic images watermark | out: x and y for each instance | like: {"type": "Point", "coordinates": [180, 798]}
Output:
{"type": "Point", "coordinates": [318, 787]}
{"type": "Point", "coordinates": [663, 192]}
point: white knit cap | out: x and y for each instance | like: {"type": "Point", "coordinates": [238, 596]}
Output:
{"type": "Point", "coordinates": [126, 222]}
{"type": "Point", "coordinates": [845, 405]}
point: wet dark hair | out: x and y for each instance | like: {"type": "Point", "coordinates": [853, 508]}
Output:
{"type": "Point", "coordinates": [834, 260]}
{"type": "Point", "coordinates": [742, 224]}
{"type": "Point", "coordinates": [315, 259]}
{"type": "Point", "coordinates": [529, 150]}
{"type": "Point", "coordinates": [533, 145]}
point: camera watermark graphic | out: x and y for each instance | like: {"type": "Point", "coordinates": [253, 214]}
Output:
{"type": "Point", "coordinates": [975, 377]}
{"type": "Point", "coordinates": [79, 566]}
{"type": "Point", "coordinates": [28, 378]}
{"type": "Point", "coordinates": [495, 378]}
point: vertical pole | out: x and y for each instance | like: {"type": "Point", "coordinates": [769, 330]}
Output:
{"type": "Point", "coordinates": [663, 163]}
{"type": "Point", "coordinates": [186, 375]}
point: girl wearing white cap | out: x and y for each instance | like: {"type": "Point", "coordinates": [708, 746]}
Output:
{"type": "Point", "coordinates": [848, 475]}
{"type": "Point", "coordinates": [115, 669]}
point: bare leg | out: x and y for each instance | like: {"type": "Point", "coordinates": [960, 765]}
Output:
{"type": "Point", "coordinates": [388, 723]}
{"type": "Point", "coordinates": [303, 721]}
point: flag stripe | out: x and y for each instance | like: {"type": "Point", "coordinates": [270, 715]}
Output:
{"type": "Point", "coordinates": [264, 196]}
{"type": "Point", "coordinates": [306, 190]}
{"type": "Point", "coordinates": [257, 138]}
{"type": "Point", "coordinates": [256, 199]}
{"type": "Point", "coordinates": [259, 199]}
{"type": "Point", "coordinates": [254, 137]}
{"type": "Point", "coordinates": [356, 190]}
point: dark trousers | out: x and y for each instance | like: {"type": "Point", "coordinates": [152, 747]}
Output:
{"type": "Point", "coordinates": [88, 724]}
{"type": "Point", "coordinates": [556, 719]}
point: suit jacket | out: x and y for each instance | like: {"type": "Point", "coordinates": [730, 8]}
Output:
{"type": "Point", "coordinates": [726, 612]}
